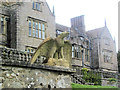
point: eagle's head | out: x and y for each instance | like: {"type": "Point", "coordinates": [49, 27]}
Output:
{"type": "Point", "coordinates": [63, 35]}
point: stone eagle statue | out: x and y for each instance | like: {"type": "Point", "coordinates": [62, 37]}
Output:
{"type": "Point", "coordinates": [57, 51]}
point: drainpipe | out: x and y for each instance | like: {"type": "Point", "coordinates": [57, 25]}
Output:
{"type": "Point", "coordinates": [82, 57]}
{"type": "Point", "coordinates": [90, 52]}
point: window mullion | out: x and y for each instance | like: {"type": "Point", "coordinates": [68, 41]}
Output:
{"type": "Point", "coordinates": [0, 25]}
{"type": "Point", "coordinates": [31, 27]}
{"type": "Point", "coordinates": [4, 26]}
{"type": "Point", "coordinates": [41, 31]}
{"type": "Point", "coordinates": [35, 28]}
{"type": "Point", "coordinates": [45, 30]}
{"type": "Point", "coordinates": [38, 29]}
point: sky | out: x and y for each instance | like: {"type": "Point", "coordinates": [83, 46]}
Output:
{"type": "Point", "coordinates": [95, 13]}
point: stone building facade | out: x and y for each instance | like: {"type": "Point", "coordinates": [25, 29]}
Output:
{"type": "Point", "coordinates": [25, 31]}
{"type": "Point", "coordinates": [17, 71]}
{"type": "Point", "coordinates": [29, 24]}
{"type": "Point", "coordinates": [104, 55]}
{"type": "Point", "coordinates": [4, 21]}
{"type": "Point", "coordinates": [80, 42]}
{"type": "Point", "coordinates": [97, 48]}
{"type": "Point", "coordinates": [23, 26]}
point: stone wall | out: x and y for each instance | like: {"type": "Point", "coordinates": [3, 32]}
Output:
{"type": "Point", "coordinates": [3, 34]}
{"type": "Point", "coordinates": [23, 38]}
{"type": "Point", "coordinates": [119, 80]}
{"type": "Point", "coordinates": [17, 77]}
{"type": "Point", "coordinates": [102, 77]}
{"type": "Point", "coordinates": [105, 82]}
{"type": "Point", "coordinates": [17, 72]}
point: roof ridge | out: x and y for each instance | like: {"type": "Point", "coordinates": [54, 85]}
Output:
{"type": "Point", "coordinates": [62, 25]}
{"type": "Point", "coordinates": [95, 29]}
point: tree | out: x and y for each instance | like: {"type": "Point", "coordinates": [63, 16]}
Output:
{"type": "Point", "coordinates": [118, 58]}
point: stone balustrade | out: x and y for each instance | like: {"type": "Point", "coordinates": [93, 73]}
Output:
{"type": "Point", "coordinates": [13, 55]}
{"type": "Point", "coordinates": [22, 58]}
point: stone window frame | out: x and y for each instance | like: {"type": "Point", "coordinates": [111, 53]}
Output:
{"type": "Point", "coordinates": [76, 51]}
{"type": "Point", "coordinates": [107, 54]}
{"type": "Point", "coordinates": [87, 52]}
{"type": "Point", "coordinates": [4, 32]}
{"type": "Point", "coordinates": [72, 51]}
{"type": "Point", "coordinates": [33, 29]}
{"type": "Point", "coordinates": [40, 30]}
{"type": "Point", "coordinates": [30, 49]}
{"type": "Point", "coordinates": [30, 28]}
{"type": "Point", "coordinates": [36, 30]}
{"type": "Point", "coordinates": [43, 31]}
{"type": "Point", "coordinates": [37, 6]}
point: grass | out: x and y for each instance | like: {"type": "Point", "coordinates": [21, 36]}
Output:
{"type": "Point", "coordinates": [92, 87]}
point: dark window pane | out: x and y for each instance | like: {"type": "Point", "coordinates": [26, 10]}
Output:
{"type": "Point", "coordinates": [29, 28]}
{"type": "Point", "coordinates": [33, 5]}
{"type": "Point", "coordinates": [36, 5]}
{"type": "Point", "coordinates": [39, 7]}
{"type": "Point", "coordinates": [2, 25]}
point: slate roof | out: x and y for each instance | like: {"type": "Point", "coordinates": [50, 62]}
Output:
{"type": "Point", "coordinates": [62, 27]}
{"type": "Point", "coordinates": [95, 32]}
{"type": "Point", "coordinates": [73, 32]}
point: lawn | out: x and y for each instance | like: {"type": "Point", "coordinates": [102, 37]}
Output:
{"type": "Point", "coordinates": [92, 87]}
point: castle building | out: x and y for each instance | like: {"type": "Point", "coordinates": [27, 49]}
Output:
{"type": "Point", "coordinates": [24, 25]}
{"type": "Point", "coordinates": [4, 21]}
{"type": "Point", "coordinates": [103, 52]}
{"type": "Point", "coordinates": [28, 24]}
{"type": "Point", "coordinates": [80, 42]}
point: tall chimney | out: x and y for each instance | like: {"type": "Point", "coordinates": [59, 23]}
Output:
{"type": "Point", "coordinates": [78, 23]}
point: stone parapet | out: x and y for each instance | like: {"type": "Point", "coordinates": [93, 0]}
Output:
{"type": "Point", "coordinates": [13, 57]}
{"type": "Point", "coordinates": [17, 72]}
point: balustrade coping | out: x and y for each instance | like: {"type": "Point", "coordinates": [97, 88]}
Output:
{"type": "Point", "coordinates": [38, 66]}
{"type": "Point", "coordinates": [23, 62]}
{"type": "Point", "coordinates": [11, 49]}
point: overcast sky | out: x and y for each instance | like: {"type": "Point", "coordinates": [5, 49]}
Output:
{"type": "Point", "coordinates": [95, 11]}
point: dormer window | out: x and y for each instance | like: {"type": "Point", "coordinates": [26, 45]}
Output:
{"type": "Point", "coordinates": [37, 6]}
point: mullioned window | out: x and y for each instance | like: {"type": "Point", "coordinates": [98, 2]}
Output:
{"type": "Point", "coordinates": [37, 28]}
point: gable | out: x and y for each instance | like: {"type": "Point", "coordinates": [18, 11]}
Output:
{"type": "Point", "coordinates": [95, 32]}
{"type": "Point", "coordinates": [106, 34]}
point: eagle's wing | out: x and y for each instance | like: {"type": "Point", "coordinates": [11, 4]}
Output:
{"type": "Point", "coordinates": [67, 51]}
{"type": "Point", "coordinates": [43, 49]}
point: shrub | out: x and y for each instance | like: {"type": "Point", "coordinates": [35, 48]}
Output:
{"type": "Point", "coordinates": [112, 80]}
{"type": "Point", "coordinates": [91, 77]}
{"type": "Point", "coordinates": [84, 69]}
